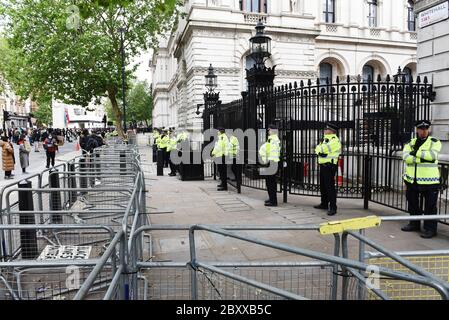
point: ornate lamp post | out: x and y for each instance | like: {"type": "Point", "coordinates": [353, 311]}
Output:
{"type": "Point", "coordinates": [211, 79]}
{"type": "Point", "coordinates": [260, 46]}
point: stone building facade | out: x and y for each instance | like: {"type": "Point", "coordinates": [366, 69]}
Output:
{"type": "Point", "coordinates": [311, 39]}
{"type": "Point", "coordinates": [433, 57]}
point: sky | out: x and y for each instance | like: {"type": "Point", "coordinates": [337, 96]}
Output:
{"type": "Point", "coordinates": [143, 72]}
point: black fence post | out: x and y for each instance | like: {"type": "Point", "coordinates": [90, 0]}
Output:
{"type": "Point", "coordinates": [55, 196]}
{"type": "Point", "coordinates": [83, 178]}
{"type": "Point", "coordinates": [367, 181]}
{"type": "Point", "coordinates": [28, 238]}
{"type": "Point", "coordinates": [72, 182]}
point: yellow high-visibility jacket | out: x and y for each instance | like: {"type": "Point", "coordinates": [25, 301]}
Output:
{"type": "Point", "coordinates": [329, 150]}
{"type": "Point", "coordinates": [422, 167]}
{"type": "Point", "coordinates": [270, 150]}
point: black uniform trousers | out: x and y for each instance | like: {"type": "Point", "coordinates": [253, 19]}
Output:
{"type": "Point", "coordinates": [430, 195]}
{"type": "Point", "coordinates": [173, 167]}
{"type": "Point", "coordinates": [327, 185]}
{"type": "Point", "coordinates": [271, 182]}
{"type": "Point", "coordinates": [166, 158]}
{"type": "Point", "coordinates": [223, 173]}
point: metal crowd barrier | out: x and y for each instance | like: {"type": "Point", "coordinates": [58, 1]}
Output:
{"type": "Point", "coordinates": [56, 227]}
{"type": "Point", "coordinates": [326, 277]}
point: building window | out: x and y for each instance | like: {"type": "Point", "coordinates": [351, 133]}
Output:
{"type": "Point", "coordinates": [368, 73]}
{"type": "Point", "coordinates": [325, 72]}
{"type": "Point", "coordinates": [329, 11]}
{"type": "Point", "coordinates": [411, 21]}
{"type": "Point", "coordinates": [372, 13]}
{"type": "Point", "coordinates": [259, 6]}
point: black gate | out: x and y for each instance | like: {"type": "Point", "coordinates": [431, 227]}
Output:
{"type": "Point", "coordinates": [375, 119]}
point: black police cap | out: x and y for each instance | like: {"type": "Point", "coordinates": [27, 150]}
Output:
{"type": "Point", "coordinates": [423, 124]}
{"type": "Point", "coordinates": [332, 127]}
{"type": "Point", "coordinates": [273, 127]}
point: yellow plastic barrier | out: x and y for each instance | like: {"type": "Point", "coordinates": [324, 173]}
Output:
{"type": "Point", "coordinates": [333, 227]}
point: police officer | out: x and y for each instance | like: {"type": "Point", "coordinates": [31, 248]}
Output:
{"type": "Point", "coordinates": [164, 145]}
{"type": "Point", "coordinates": [270, 153]}
{"type": "Point", "coordinates": [171, 146]}
{"type": "Point", "coordinates": [422, 177]}
{"type": "Point", "coordinates": [328, 152]}
{"type": "Point", "coordinates": [220, 152]}
{"type": "Point", "coordinates": [234, 150]}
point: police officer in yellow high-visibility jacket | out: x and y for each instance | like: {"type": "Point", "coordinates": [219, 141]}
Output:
{"type": "Point", "coordinates": [270, 153]}
{"type": "Point", "coordinates": [234, 150]}
{"type": "Point", "coordinates": [172, 146]}
{"type": "Point", "coordinates": [328, 152]}
{"type": "Point", "coordinates": [220, 152]}
{"type": "Point", "coordinates": [422, 177]}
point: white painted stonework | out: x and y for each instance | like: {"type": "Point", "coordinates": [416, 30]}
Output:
{"type": "Point", "coordinates": [217, 32]}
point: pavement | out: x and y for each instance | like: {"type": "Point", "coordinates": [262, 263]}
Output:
{"type": "Point", "coordinates": [172, 201]}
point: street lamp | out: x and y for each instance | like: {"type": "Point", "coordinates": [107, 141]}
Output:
{"type": "Point", "coordinates": [122, 30]}
{"type": "Point", "coordinates": [211, 79]}
{"type": "Point", "coordinates": [260, 45]}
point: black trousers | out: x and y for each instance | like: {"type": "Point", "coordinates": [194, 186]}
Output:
{"type": "Point", "coordinates": [271, 182]}
{"type": "Point", "coordinates": [236, 170]}
{"type": "Point", "coordinates": [51, 158]}
{"type": "Point", "coordinates": [430, 195]}
{"type": "Point", "coordinates": [173, 167]}
{"type": "Point", "coordinates": [327, 185]}
{"type": "Point", "coordinates": [166, 158]}
{"type": "Point", "coordinates": [223, 174]}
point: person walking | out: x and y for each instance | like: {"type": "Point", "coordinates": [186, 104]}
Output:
{"type": "Point", "coordinates": [220, 152]}
{"type": "Point", "coordinates": [7, 157]}
{"type": "Point", "coordinates": [24, 153]}
{"type": "Point", "coordinates": [270, 153]}
{"type": "Point", "coordinates": [83, 140]}
{"type": "Point", "coordinates": [422, 178]}
{"type": "Point", "coordinates": [50, 147]}
{"type": "Point", "coordinates": [328, 152]}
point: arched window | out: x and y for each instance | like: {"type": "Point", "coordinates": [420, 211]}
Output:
{"type": "Point", "coordinates": [260, 6]}
{"type": "Point", "coordinates": [329, 11]}
{"type": "Point", "coordinates": [368, 72]}
{"type": "Point", "coordinates": [325, 72]}
{"type": "Point", "coordinates": [411, 21]}
{"type": "Point", "coordinates": [372, 13]}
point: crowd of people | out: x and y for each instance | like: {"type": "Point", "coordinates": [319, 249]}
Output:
{"type": "Point", "coordinates": [48, 140]}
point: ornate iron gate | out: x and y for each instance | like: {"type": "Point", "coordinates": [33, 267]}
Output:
{"type": "Point", "coordinates": [375, 119]}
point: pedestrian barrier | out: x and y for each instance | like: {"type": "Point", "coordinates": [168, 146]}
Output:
{"type": "Point", "coordinates": [81, 233]}
{"type": "Point", "coordinates": [57, 226]}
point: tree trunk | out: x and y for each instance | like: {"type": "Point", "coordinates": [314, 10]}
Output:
{"type": "Point", "coordinates": [117, 112]}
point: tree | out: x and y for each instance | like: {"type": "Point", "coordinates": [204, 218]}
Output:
{"type": "Point", "coordinates": [43, 114]}
{"type": "Point", "coordinates": [140, 102]}
{"type": "Point", "coordinates": [72, 52]}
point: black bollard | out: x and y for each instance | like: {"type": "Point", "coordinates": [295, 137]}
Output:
{"type": "Point", "coordinates": [83, 179]}
{"type": "Point", "coordinates": [72, 183]}
{"type": "Point", "coordinates": [28, 238]}
{"type": "Point", "coordinates": [160, 162]}
{"type": "Point", "coordinates": [122, 163]}
{"type": "Point", "coordinates": [55, 197]}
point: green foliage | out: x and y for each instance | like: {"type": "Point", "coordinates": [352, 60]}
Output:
{"type": "Point", "coordinates": [73, 53]}
{"type": "Point", "coordinates": [43, 114]}
{"type": "Point", "coordinates": [140, 102]}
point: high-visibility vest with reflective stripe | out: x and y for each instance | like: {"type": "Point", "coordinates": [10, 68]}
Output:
{"type": "Point", "coordinates": [270, 150]}
{"type": "Point", "coordinates": [423, 167]}
{"type": "Point", "coordinates": [330, 148]}
{"type": "Point", "coordinates": [182, 136]}
{"type": "Point", "coordinates": [221, 146]}
{"type": "Point", "coordinates": [163, 141]}
{"type": "Point", "coordinates": [234, 146]}
{"type": "Point", "coordinates": [171, 144]}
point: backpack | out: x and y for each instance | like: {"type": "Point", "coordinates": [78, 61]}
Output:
{"type": "Point", "coordinates": [91, 144]}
